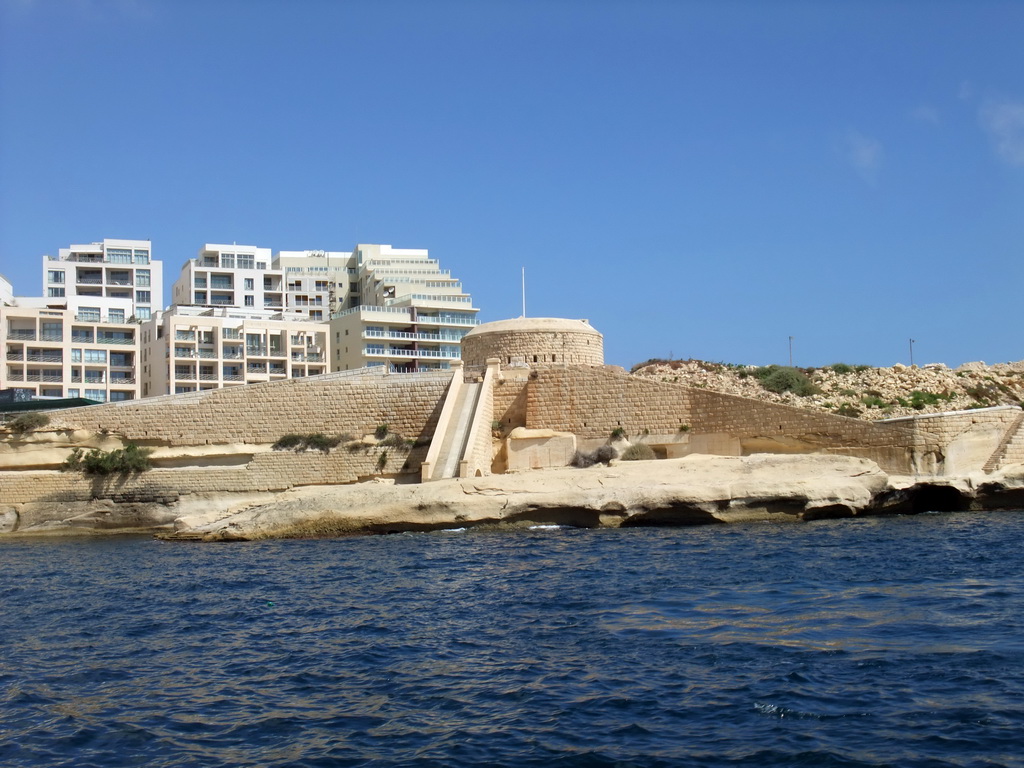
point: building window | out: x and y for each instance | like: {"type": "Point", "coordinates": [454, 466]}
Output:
{"type": "Point", "coordinates": [116, 316]}
{"type": "Point", "coordinates": [89, 314]}
{"type": "Point", "coordinates": [55, 293]}
{"type": "Point", "coordinates": [96, 394]}
{"type": "Point", "coordinates": [74, 393]}
{"type": "Point", "coordinates": [119, 255]}
{"type": "Point", "coordinates": [227, 261]}
{"type": "Point", "coordinates": [141, 256]}
{"type": "Point", "coordinates": [249, 284]}
{"type": "Point", "coordinates": [142, 277]}
{"type": "Point", "coordinates": [76, 355]}
{"type": "Point", "coordinates": [55, 276]}
{"type": "Point", "coordinates": [95, 356]}
{"type": "Point", "coordinates": [246, 261]}
{"type": "Point", "coordinates": [143, 313]}
{"type": "Point", "coordinates": [142, 297]}
{"type": "Point", "coordinates": [250, 301]}
{"type": "Point", "coordinates": [120, 396]}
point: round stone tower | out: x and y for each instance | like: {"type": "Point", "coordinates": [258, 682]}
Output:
{"type": "Point", "coordinates": [534, 341]}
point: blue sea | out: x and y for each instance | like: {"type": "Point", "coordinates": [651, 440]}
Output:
{"type": "Point", "coordinates": [860, 642]}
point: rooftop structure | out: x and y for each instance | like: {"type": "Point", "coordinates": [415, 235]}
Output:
{"type": "Point", "coordinates": [111, 269]}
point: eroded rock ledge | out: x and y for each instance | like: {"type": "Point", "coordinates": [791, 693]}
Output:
{"type": "Point", "coordinates": [696, 490]}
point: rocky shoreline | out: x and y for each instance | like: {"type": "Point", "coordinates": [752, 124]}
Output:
{"type": "Point", "coordinates": [695, 490]}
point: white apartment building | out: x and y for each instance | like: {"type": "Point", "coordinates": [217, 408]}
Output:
{"type": "Point", "coordinates": [319, 283]}
{"type": "Point", "coordinates": [404, 312]}
{"type": "Point", "coordinates": [190, 348]}
{"type": "Point", "coordinates": [110, 269]}
{"type": "Point", "coordinates": [230, 276]}
{"type": "Point", "coordinates": [70, 347]}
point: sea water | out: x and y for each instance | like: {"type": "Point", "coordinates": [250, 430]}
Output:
{"type": "Point", "coordinates": [861, 642]}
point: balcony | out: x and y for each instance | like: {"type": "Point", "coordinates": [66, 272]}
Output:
{"type": "Point", "coordinates": [418, 353]}
{"type": "Point", "coordinates": [115, 340]}
{"type": "Point", "coordinates": [184, 335]}
{"type": "Point", "coordinates": [51, 336]}
{"type": "Point", "coordinates": [15, 356]}
{"type": "Point", "coordinates": [50, 378]}
{"type": "Point", "coordinates": [21, 335]}
{"type": "Point", "coordinates": [232, 377]}
{"type": "Point", "coordinates": [122, 380]}
{"type": "Point", "coordinates": [232, 354]}
{"type": "Point", "coordinates": [208, 377]}
{"type": "Point", "coordinates": [37, 358]}
{"type": "Point", "coordinates": [89, 280]}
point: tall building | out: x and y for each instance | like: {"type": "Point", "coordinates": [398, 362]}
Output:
{"type": "Point", "coordinates": [403, 312]}
{"type": "Point", "coordinates": [318, 283]}
{"type": "Point", "coordinates": [229, 324]}
{"type": "Point", "coordinates": [112, 269]}
{"type": "Point", "coordinates": [185, 349]}
{"type": "Point", "coordinates": [62, 348]}
{"type": "Point", "coordinates": [81, 339]}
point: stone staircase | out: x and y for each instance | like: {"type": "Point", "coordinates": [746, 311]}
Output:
{"type": "Point", "coordinates": [454, 445]}
{"type": "Point", "coordinates": [1010, 449]}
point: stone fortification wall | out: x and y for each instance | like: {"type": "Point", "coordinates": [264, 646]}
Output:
{"type": "Point", "coordinates": [262, 413]}
{"type": "Point", "coordinates": [534, 341]}
{"type": "Point", "coordinates": [267, 471]}
{"type": "Point", "coordinates": [593, 402]}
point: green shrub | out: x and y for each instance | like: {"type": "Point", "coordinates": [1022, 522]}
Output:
{"type": "Point", "coordinates": [848, 392]}
{"type": "Point", "coordinates": [638, 452]}
{"type": "Point", "coordinates": [603, 455]}
{"type": "Point", "coordinates": [395, 440]}
{"type": "Point", "coordinates": [850, 411]}
{"type": "Point", "coordinates": [320, 442]}
{"type": "Point", "coordinates": [120, 461]}
{"type": "Point", "coordinates": [287, 442]}
{"type": "Point", "coordinates": [27, 422]}
{"type": "Point", "coordinates": [872, 401]}
{"type": "Point", "coordinates": [778, 378]}
{"type": "Point", "coordinates": [684, 427]}
{"type": "Point", "coordinates": [841, 368]}
{"type": "Point", "coordinates": [618, 434]}
{"type": "Point", "coordinates": [382, 460]}
{"type": "Point", "coordinates": [316, 442]}
{"type": "Point", "coordinates": [919, 399]}
{"type": "Point", "coordinates": [381, 431]}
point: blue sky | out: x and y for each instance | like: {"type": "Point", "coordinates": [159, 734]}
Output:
{"type": "Point", "coordinates": [699, 179]}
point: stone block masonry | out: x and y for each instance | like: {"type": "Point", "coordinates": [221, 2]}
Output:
{"type": "Point", "coordinates": [592, 402]}
{"type": "Point", "coordinates": [261, 413]}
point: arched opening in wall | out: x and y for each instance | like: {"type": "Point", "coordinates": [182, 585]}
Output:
{"type": "Point", "coordinates": [535, 358]}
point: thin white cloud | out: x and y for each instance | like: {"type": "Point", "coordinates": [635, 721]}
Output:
{"type": "Point", "coordinates": [926, 114]}
{"type": "Point", "coordinates": [966, 91]}
{"type": "Point", "coordinates": [865, 155]}
{"type": "Point", "coordinates": [1003, 121]}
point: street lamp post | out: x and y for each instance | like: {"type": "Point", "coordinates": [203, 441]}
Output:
{"type": "Point", "coordinates": [790, 351]}
{"type": "Point", "coordinates": [912, 352]}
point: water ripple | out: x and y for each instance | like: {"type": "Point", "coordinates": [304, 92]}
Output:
{"type": "Point", "coordinates": [840, 643]}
